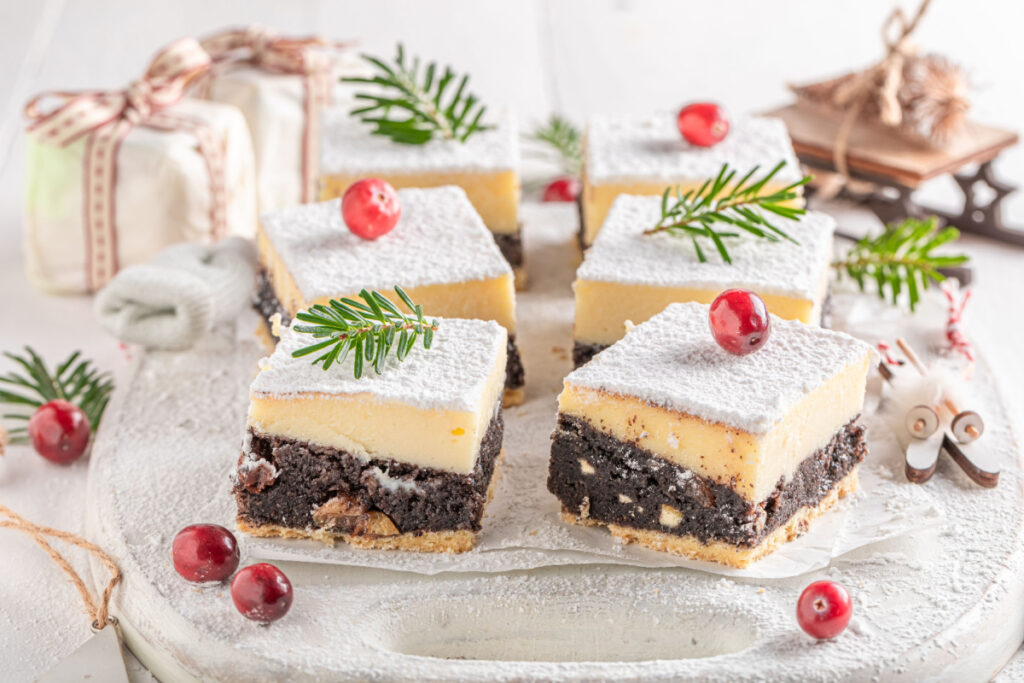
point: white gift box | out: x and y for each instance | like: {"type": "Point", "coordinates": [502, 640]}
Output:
{"type": "Point", "coordinates": [273, 107]}
{"type": "Point", "coordinates": [284, 130]}
{"type": "Point", "coordinates": [163, 193]}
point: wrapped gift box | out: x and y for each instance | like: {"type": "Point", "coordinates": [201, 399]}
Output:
{"type": "Point", "coordinates": [113, 177]}
{"type": "Point", "coordinates": [163, 194]}
{"type": "Point", "coordinates": [281, 86]}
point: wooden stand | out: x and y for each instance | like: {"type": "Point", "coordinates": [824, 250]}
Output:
{"type": "Point", "coordinates": [894, 166]}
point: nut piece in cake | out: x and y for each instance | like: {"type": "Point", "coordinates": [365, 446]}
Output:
{"type": "Point", "coordinates": [700, 452]}
{"type": "Point", "coordinates": [486, 166]}
{"type": "Point", "coordinates": [644, 155]}
{"type": "Point", "coordinates": [439, 252]}
{"type": "Point", "coordinates": [398, 460]}
{"type": "Point", "coordinates": [629, 275]}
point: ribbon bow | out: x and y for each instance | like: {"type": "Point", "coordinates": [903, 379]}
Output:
{"type": "Point", "coordinates": [164, 83]}
{"type": "Point", "coordinates": [881, 81]}
{"type": "Point", "coordinates": [104, 119]}
{"type": "Point", "coordinates": [264, 49]}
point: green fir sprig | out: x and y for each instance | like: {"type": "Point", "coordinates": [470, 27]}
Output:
{"type": "Point", "coordinates": [563, 138]}
{"type": "Point", "coordinates": [370, 328]}
{"type": "Point", "coordinates": [901, 259]}
{"type": "Point", "coordinates": [745, 204]}
{"type": "Point", "coordinates": [411, 106]}
{"type": "Point", "coordinates": [75, 380]}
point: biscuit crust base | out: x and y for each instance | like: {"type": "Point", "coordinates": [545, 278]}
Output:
{"type": "Point", "coordinates": [454, 541]}
{"type": "Point", "coordinates": [720, 551]}
{"type": "Point", "coordinates": [427, 542]}
{"type": "Point", "coordinates": [644, 498]}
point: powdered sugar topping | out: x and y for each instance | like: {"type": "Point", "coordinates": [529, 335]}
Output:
{"type": "Point", "coordinates": [673, 361]}
{"type": "Point", "coordinates": [349, 147]}
{"type": "Point", "coordinates": [623, 253]}
{"type": "Point", "coordinates": [451, 375]}
{"type": "Point", "coordinates": [439, 239]}
{"type": "Point", "coordinates": [650, 148]}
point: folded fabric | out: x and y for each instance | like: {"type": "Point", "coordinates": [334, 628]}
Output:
{"type": "Point", "coordinates": [182, 293]}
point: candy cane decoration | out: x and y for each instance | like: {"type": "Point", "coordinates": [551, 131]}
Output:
{"type": "Point", "coordinates": [954, 333]}
{"type": "Point", "coordinates": [885, 350]}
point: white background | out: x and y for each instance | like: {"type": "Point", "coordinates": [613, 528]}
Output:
{"type": "Point", "coordinates": [572, 56]}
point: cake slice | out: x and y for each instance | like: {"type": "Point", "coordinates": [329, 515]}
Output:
{"type": "Point", "coordinates": [629, 275]}
{"type": "Point", "coordinates": [485, 165]}
{"type": "Point", "coordinates": [644, 155]}
{"type": "Point", "coordinates": [400, 460]}
{"type": "Point", "coordinates": [675, 444]}
{"type": "Point", "coordinates": [439, 252]}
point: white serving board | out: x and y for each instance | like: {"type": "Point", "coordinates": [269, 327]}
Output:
{"type": "Point", "coordinates": [946, 602]}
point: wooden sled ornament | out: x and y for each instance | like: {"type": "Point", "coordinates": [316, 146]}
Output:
{"type": "Point", "coordinates": [930, 433]}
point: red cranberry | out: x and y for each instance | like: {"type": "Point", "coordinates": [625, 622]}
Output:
{"type": "Point", "coordinates": [824, 609]}
{"type": "Point", "coordinates": [564, 189]}
{"type": "Point", "coordinates": [59, 431]}
{"type": "Point", "coordinates": [205, 552]}
{"type": "Point", "coordinates": [739, 321]}
{"type": "Point", "coordinates": [370, 208]}
{"type": "Point", "coordinates": [703, 124]}
{"type": "Point", "coordinates": [262, 592]}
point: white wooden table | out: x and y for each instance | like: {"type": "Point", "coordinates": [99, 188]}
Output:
{"type": "Point", "coordinates": [612, 55]}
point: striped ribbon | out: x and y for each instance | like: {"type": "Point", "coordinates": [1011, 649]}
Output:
{"type": "Point", "coordinates": [955, 308]}
{"type": "Point", "coordinates": [305, 57]}
{"type": "Point", "coordinates": [104, 119]}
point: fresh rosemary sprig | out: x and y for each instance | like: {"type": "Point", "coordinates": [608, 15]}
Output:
{"type": "Point", "coordinates": [431, 109]}
{"type": "Point", "coordinates": [565, 139]}
{"type": "Point", "coordinates": [371, 328]}
{"type": "Point", "coordinates": [901, 258]}
{"type": "Point", "coordinates": [745, 204]}
{"type": "Point", "coordinates": [75, 380]}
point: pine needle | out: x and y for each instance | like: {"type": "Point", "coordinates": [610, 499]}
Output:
{"type": "Point", "coordinates": [744, 204]}
{"type": "Point", "coordinates": [411, 105]}
{"type": "Point", "coordinates": [564, 139]}
{"type": "Point", "coordinates": [369, 329]}
{"type": "Point", "coordinates": [901, 259]}
{"type": "Point", "coordinates": [75, 380]}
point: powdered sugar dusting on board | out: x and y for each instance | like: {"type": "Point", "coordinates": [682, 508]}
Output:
{"type": "Point", "coordinates": [650, 148]}
{"type": "Point", "coordinates": [451, 375]}
{"type": "Point", "coordinates": [348, 147]}
{"type": "Point", "coordinates": [439, 239]}
{"type": "Point", "coordinates": [925, 602]}
{"type": "Point", "coordinates": [623, 253]}
{"type": "Point", "coordinates": [673, 361]}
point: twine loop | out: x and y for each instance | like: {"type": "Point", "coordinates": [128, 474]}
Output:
{"type": "Point", "coordinates": [97, 609]}
{"type": "Point", "coordinates": [883, 80]}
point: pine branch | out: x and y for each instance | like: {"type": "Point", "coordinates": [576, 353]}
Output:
{"type": "Point", "coordinates": [424, 104]}
{"type": "Point", "coordinates": [745, 204]}
{"type": "Point", "coordinates": [371, 328]}
{"type": "Point", "coordinates": [901, 259]}
{"type": "Point", "coordinates": [76, 381]}
{"type": "Point", "coordinates": [565, 139]}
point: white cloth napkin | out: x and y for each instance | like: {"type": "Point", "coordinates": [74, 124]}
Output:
{"type": "Point", "coordinates": [179, 295]}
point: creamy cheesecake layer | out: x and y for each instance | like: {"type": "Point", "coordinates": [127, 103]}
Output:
{"type": "Point", "coordinates": [746, 420]}
{"type": "Point", "coordinates": [487, 299]}
{"type": "Point", "coordinates": [440, 253]}
{"type": "Point", "coordinates": [602, 308]}
{"type": "Point", "coordinates": [644, 155]}
{"type": "Point", "coordinates": [630, 275]}
{"type": "Point", "coordinates": [431, 410]}
{"type": "Point", "coordinates": [495, 195]}
{"type": "Point", "coordinates": [597, 198]}
{"type": "Point", "coordinates": [485, 165]}
{"type": "Point", "coordinates": [751, 463]}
